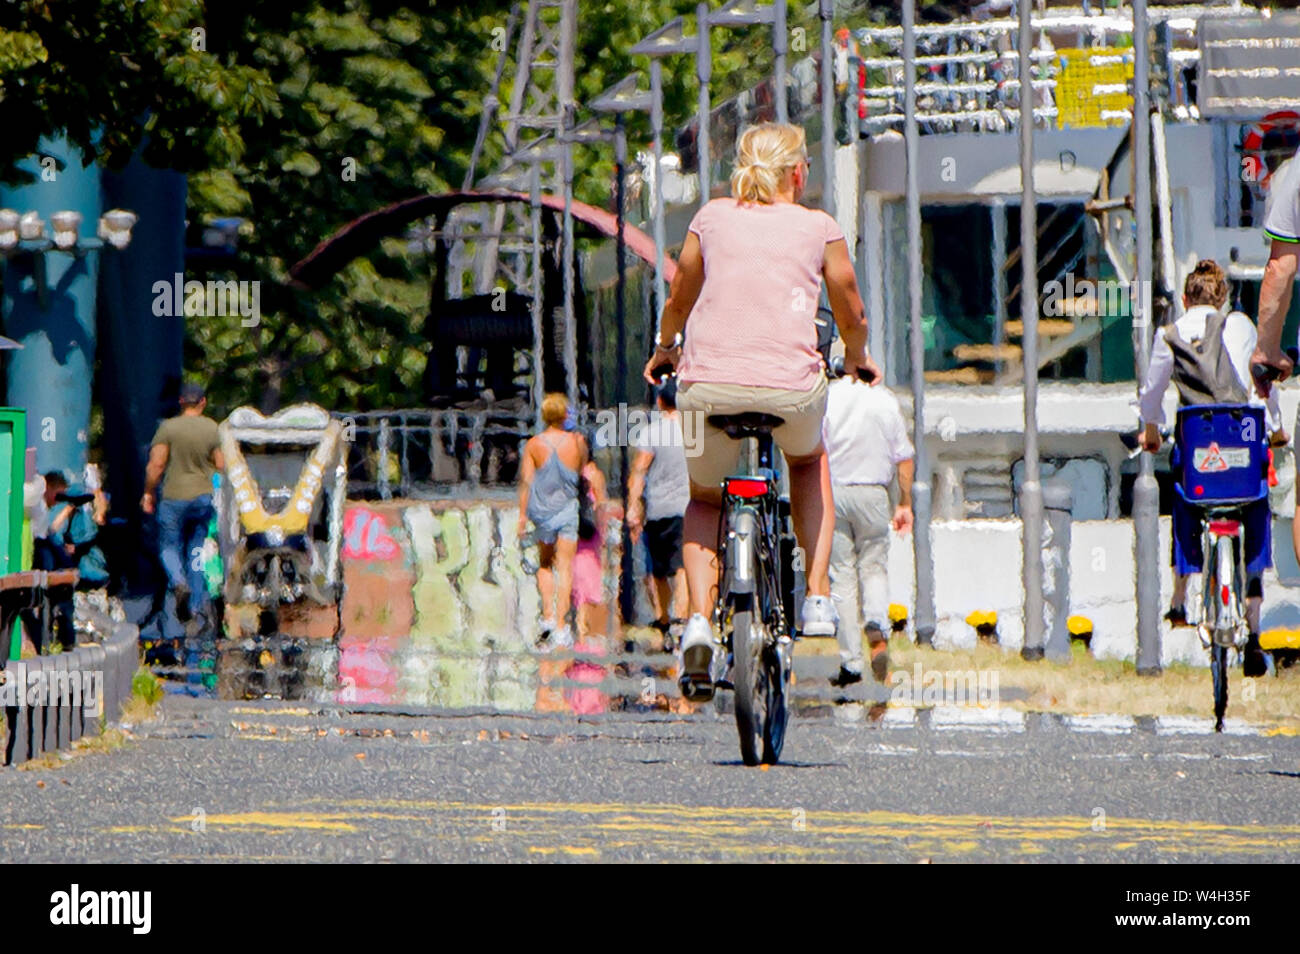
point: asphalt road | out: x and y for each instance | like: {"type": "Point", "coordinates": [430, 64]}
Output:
{"type": "Point", "coordinates": [213, 781]}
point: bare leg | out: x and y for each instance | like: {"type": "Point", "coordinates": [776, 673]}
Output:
{"type": "Point", "coordinates": [565, 550]}
{"type": "Point", "coordinates": [1253, 606]}
{"type": "Point", "coordinates": [679, 594]}
{"type": "Point", "coordinates": [699, 548]}
{"type": "Point", "coordinates": [663, 600]}
{"type": "Point", "coordinates": [1179, 597]}
{"type": "Point", "coordinates": [546, 578]}
{"type": "Point", "coordinates": [652, 592]}
{"type": "Point", "coordinates": [813, 514]}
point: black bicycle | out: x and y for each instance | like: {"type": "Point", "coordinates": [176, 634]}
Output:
{"type": "Point", "coordinates": [760, 585]}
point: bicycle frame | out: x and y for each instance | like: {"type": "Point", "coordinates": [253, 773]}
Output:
{"type": "Point", "coordinates": [750, 538]}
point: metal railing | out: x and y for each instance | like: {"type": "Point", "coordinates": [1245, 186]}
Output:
{"type": "Point", "coordinates": [432, 452]}
{"type": "Point", "coordinates": [980, 86]}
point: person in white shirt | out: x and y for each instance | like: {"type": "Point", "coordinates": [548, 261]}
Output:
{"type": "Point", "coordinates": [1205, 292]}
{"type": "Point", "coordinates": [1282, 227]}
{"type": "Point", "coordinates": [867, 444]}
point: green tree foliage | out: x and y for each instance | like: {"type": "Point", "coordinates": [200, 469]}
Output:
{"type": "Point", "coordinates": [112, 74]}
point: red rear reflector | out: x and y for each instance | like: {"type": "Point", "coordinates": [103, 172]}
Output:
{"type": "Point", "coordinates": [746, 487]}
{"type": "Point", "coordinates": [1198, 490]}
{"type": "Point", "coordinates": [1225, 528]}
{"type": "Point", "coordinates": [1225, 594]}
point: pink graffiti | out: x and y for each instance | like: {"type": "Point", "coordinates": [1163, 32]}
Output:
{"type": "Point", "coordinates": [365, 676]}
{"type": "Point", "coordinates": [366, 536]}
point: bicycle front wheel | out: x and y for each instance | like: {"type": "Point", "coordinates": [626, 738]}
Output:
{"type": "Point", "coordinates": [1219, 675]}
{"type": "Point", "coordinates": [749, 679]}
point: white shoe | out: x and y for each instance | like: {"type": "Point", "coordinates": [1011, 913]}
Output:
{"type": "Point", "coordinates": [696, 682]}
{"type": "Point", "coordinates": [819, 616]}
{"type": "Point", "coordinates": [548, 626]}
{"type": "Point", "coordinates": [562, 638]}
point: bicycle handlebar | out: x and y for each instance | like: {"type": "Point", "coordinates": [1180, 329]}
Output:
{"type": "Point", "coordinates": [836, 369]}
{"type": "Point", "coordinates": [1265, 374]}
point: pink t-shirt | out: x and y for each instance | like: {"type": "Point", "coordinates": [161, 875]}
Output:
{"type": "Point", "coordinates": [753, 323]}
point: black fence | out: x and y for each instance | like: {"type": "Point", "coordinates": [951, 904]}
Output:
{"type": "Point", "coordinates": [53, 701]}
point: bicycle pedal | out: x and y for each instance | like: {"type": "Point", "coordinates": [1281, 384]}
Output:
{"type": "Point", "coordinates": [724, 684]}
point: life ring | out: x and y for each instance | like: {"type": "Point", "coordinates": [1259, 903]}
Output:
{"type": "Point", "coordinates": [1252, 143]}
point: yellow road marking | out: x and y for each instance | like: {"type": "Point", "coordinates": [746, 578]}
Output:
{"type": "Point", "coordinates": [590, 829]}
{"type": "Point", "coordinates": [279, 820]}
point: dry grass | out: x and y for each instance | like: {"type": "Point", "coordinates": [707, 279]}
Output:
{"type": "Point", "coordinates": [1094, 686]}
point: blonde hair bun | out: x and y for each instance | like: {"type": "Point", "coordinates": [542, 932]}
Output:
{"type": "Point", "coordinates": [763, 154]}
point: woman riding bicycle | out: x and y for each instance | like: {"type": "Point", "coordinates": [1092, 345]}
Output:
{"type": "Point", "coordinates": [1206, 353]}
{"type": "Point", "coordinates": [749, 277]}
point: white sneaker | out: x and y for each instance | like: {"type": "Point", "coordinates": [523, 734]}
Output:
{"type": "Point", "coordinates": [696, 682]}
{"type": "Point", "coordinates": [819, 616]}
{"type": "Point", "coordinates": [562, 638]}
{"type": "Point", "coordinates": [548, 626]}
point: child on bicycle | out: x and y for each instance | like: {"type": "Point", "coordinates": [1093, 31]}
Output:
{"type": "Point", "coordinates": [1207, 355]}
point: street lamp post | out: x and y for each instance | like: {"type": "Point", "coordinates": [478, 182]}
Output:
{"type": "Point", "coordinates": [825, 10]}
{"type": "Point", "coordinates": [618, 100]}
{"type": "Point", "coordinates": [1031, 490]}
{"type": "Point", "coordinates": [921, 490]}
{"type": "Point", "coordinates": [1146, 493]}
{"type": "Point", "coordinates": [703, 74]}
{"type": "Point", "coordinates": [667, 40]}
{"type": "Point", "coordinates": [748, 13]}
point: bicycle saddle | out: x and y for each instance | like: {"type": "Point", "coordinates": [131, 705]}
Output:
{"type": "Point", "coordinates": [745, 424]}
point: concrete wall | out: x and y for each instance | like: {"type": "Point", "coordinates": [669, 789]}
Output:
{"type": "Point", "coordinates": [978, 567]}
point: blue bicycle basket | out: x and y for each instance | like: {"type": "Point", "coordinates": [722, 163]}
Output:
{"type": "Point", "coordinates": [1223, 451]}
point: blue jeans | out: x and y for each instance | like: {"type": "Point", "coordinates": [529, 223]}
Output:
{"type": "Point", "coordinates": [182, 528]}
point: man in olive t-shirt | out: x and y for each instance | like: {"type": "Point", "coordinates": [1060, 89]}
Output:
{"type": "Point", "coordinates": [185, 453]}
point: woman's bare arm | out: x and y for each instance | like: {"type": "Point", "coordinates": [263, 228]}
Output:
{"type": "Point", "coordinates": [527, 468]}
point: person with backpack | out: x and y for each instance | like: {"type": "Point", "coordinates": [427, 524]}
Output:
{"type": "Point", "coordinates": [1207, 353]}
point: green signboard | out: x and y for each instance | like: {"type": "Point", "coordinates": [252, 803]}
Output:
{"type": "Point", "coordinates": [13, 472]}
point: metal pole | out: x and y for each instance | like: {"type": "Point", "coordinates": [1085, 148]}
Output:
{"type": "Point", "coordinates": [703, 72]}
{"type": "Point", "coordinates": [657, 125]}
{"type": "Point", "coordinates": [535, 203]}
{"type": "Point", "coordinates": [825, 9]}
{"type": "Point", "coordinates": [998, 215]}
{"type": "Point", "coordinates": [921, 491]}
{"type": "Point", "coordinates": [1146, 493]}
{"type": "Point", "coordinates": [627, 588]}
{"type": "Point", "coordinates": [779, 45]}
{"type": "Point", "coordinates": [1031, 490]}
{"type": "Point", "coordinates": [570, 329]}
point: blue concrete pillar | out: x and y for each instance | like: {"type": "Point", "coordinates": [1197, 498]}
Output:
{"type": "Point", "coordinates": [52, 376]}
{"type": "Point", "coordinates": [138, 386]}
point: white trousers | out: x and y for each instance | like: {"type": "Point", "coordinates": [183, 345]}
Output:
{"type": "Point", "coordinates": [860, 565]}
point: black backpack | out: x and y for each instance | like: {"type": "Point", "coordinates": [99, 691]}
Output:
{"type": "Point", "coordinates": [1203, 372]}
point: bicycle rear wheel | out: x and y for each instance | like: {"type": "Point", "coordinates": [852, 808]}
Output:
{"type": "Point", "coordinates": [1219, 676]}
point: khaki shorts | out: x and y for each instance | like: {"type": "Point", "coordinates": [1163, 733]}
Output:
{"type": "Point", "coordinates": [799, 436]}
